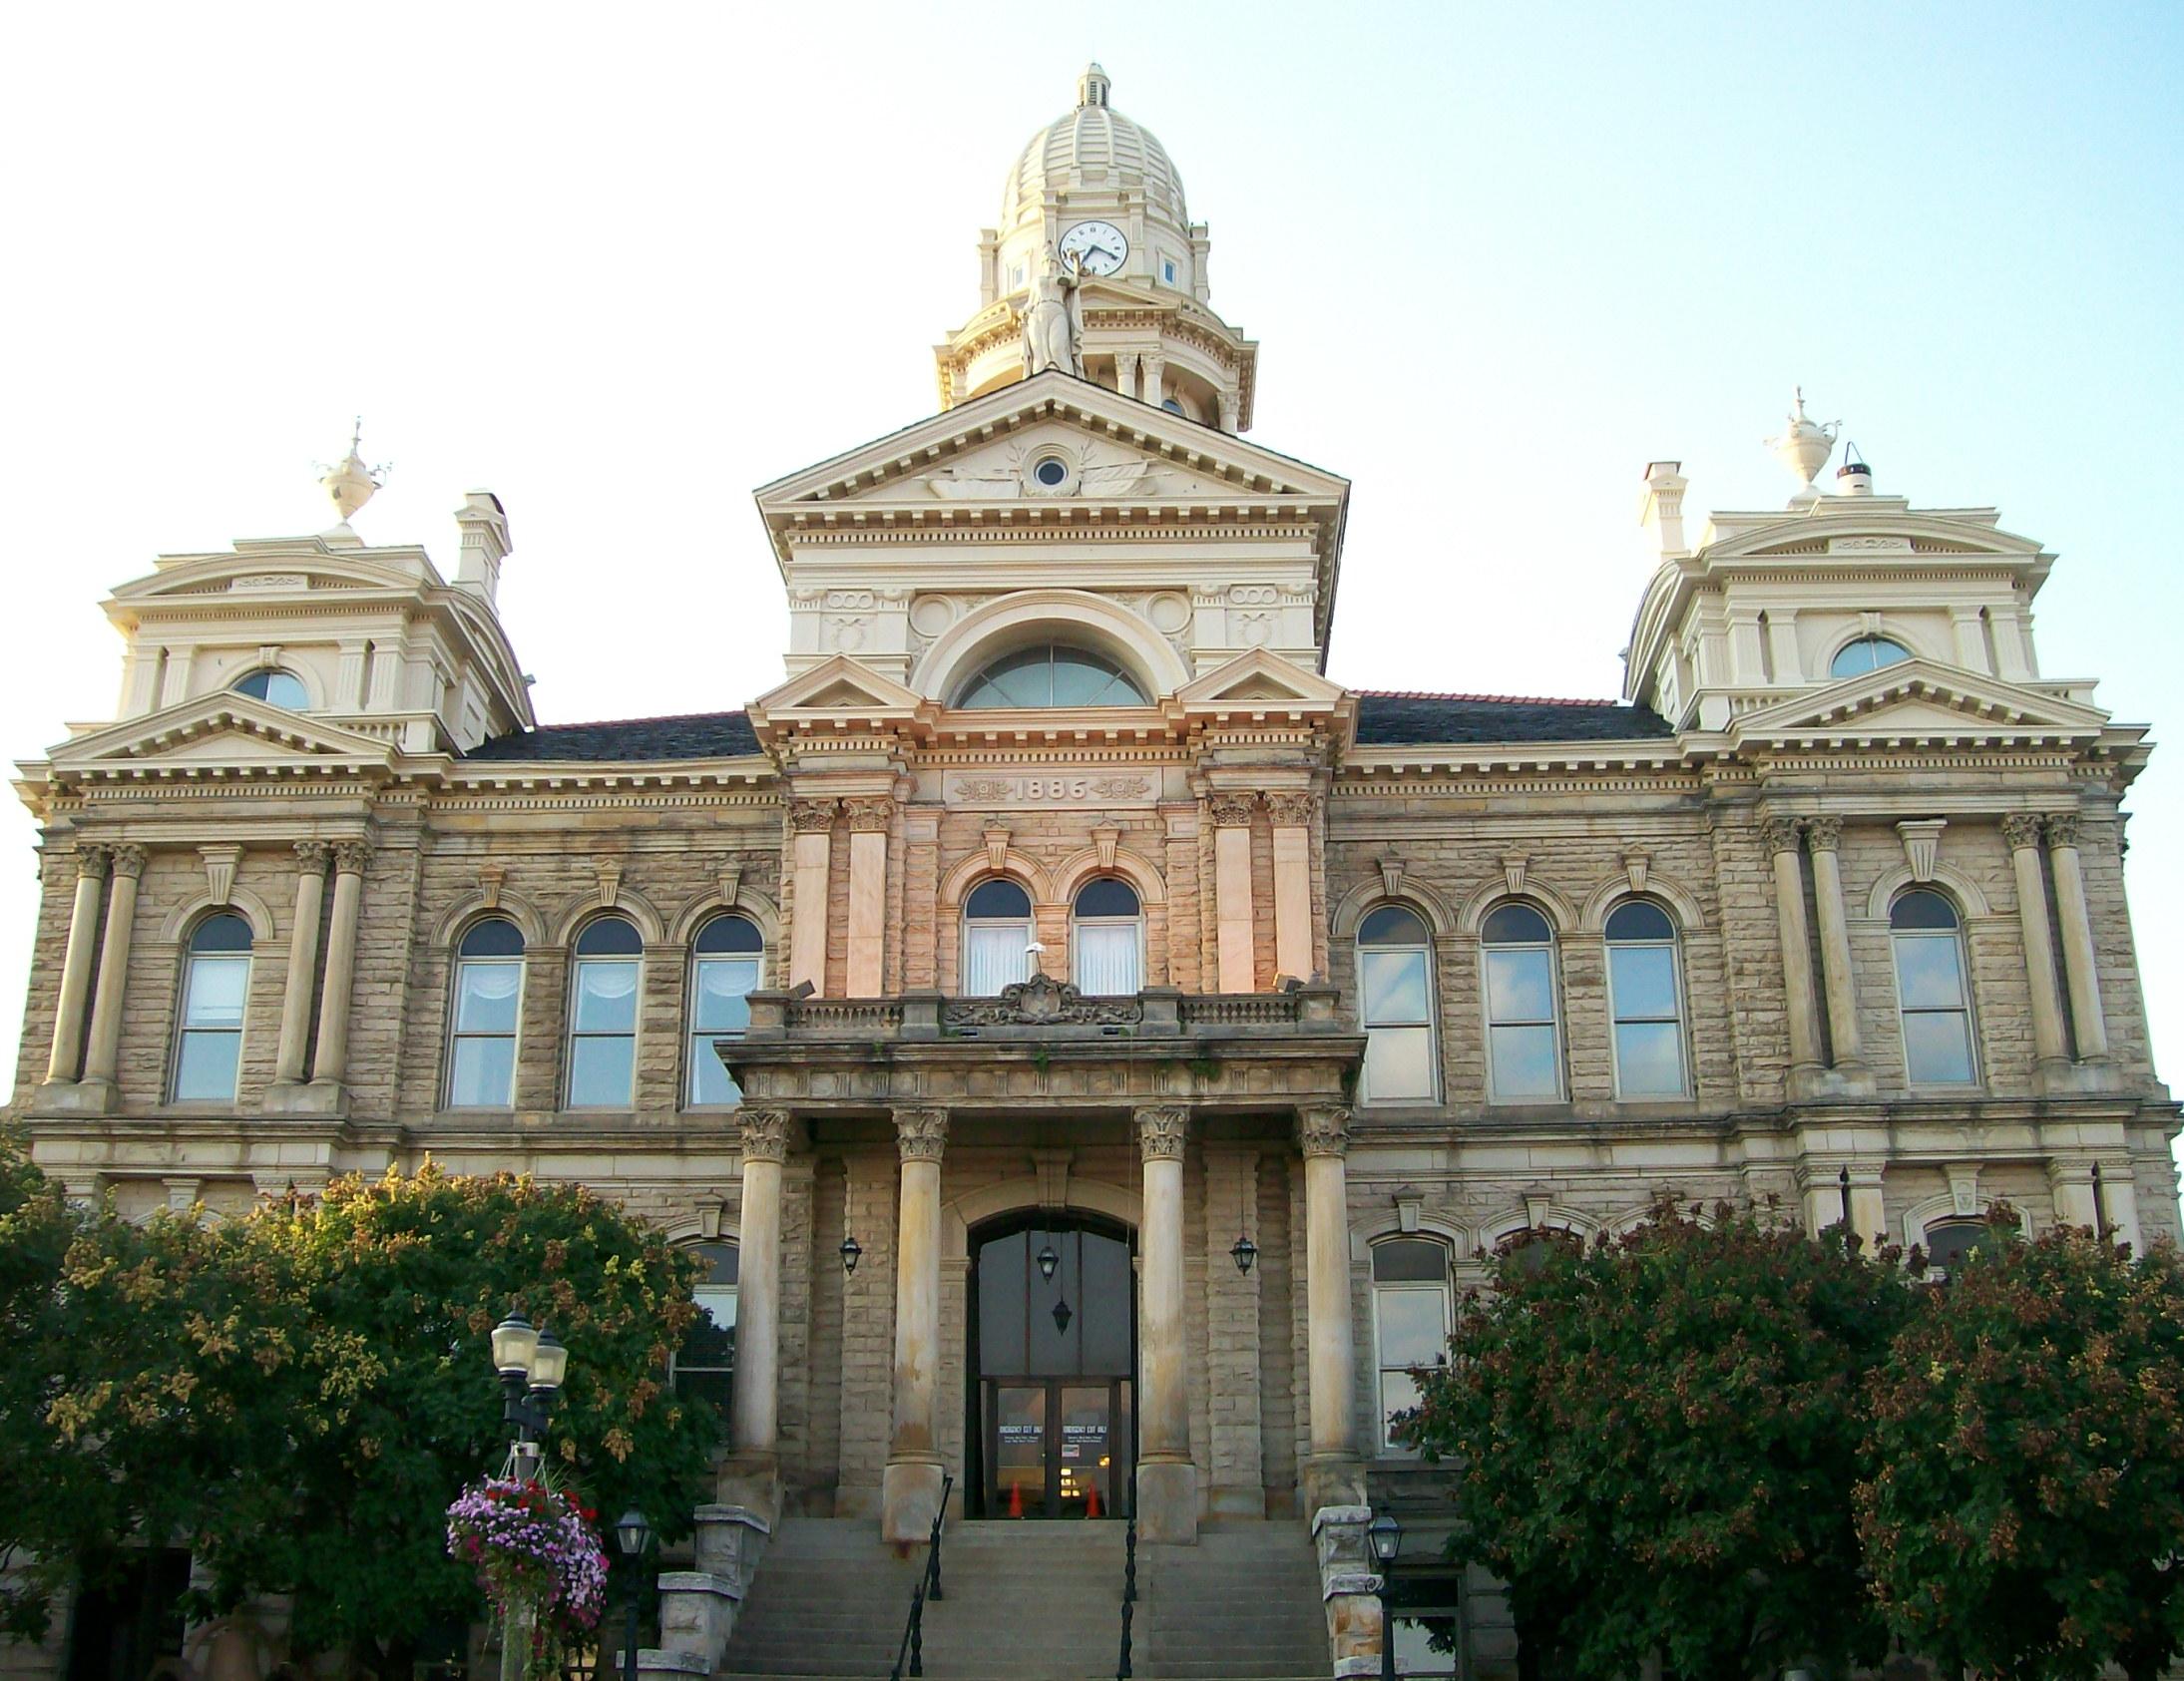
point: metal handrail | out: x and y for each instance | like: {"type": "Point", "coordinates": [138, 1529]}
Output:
{"type": "Point", "coordinates": [911, 1649]}
{"type": "Point", "coordinates": [1129, 1596]}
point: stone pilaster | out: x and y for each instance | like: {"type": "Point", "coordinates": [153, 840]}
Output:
{"type": "Point", "coordinates": [1167, 1480]}
{"type": "Point", "coordinates": [1781, 835]}
{"type": "Point", "coordinates": [2080, 965]}
{"type": "Point", "coordinates": [910, 1486]}
{"type": "Point", "coordinates": [113, 989]}
{"type": "Point", "coordinates": [1233, 909]}
{"type": "Point", "coordinates": [1332, 1477]}
{"type": "Point", "coordinates": [330, 1063]}
{"type": "Point", "coordinates": [755, 1409]}
{"type": "Point", "coordinates": [869, 822]}
{"type": "Point", "coordinates": [1293, 815]}
{"type": "Point", "coordinates": [1823, 835]}
{"type": "Point", "coordinates": [66, 1060]}
{"type": "Point", "coordinates": [2021, 830]}
{"type": "Point", "coordinates": [313, 858]}
{"type": "Point", "coordinates": [811, 831]}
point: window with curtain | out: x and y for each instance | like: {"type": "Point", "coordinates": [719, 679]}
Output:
{"type": "Point", "coordinates": [704, 1365]}
{"type": "Point", "coordinates": [1645, 995]}
{"type": "Point", "coordinates": [215, 987]}
{"type": "Point", "coordinates": [997, 937]}
{"type": "Point", "coordinates": [1410, 1320]}
{"type": "Point", "coordinates": [1108, 939]}
{"type": "Point", "coordinates": [1524, 1026]}
{"type": "Point", "coordinates": [488, 1000]}
{"type": "Point", "coordinates": [1934, 1003]}
{"type": "Point", "coordinates": [1396, 1001]}
{"type": "Point", "coordinates": [725, 962]}
{"type": "Point", "coordinates": [603, 1016]}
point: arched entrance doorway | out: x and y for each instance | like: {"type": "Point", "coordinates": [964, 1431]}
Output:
{"type": "Point", "coordinates": [1052, 1358]}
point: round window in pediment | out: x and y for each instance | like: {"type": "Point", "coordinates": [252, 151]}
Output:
{"type": "Point", "coordinates": [1050, 674]}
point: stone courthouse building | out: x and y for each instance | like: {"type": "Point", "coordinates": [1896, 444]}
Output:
{"type": "Point", "coordinates": [1092, 1047]}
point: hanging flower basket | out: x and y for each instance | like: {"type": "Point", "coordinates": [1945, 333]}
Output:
{"type": "Point", "coordinates": [536, 1557]}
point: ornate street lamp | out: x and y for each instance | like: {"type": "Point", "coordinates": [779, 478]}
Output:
{"type": "Point", "coordinates": [635, 1535]}
{"type": "Point", "coordinates": [1385, 1536]}
{"type": "Point", "coordinates": [1243, 1252]}
{"type": "Point", "coordinates": [532, 1365]}
{"type": "Point", "coordinates": [852, 1252]}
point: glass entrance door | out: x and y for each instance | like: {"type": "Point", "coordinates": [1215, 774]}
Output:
{"type": "Point", "coordinates": [1058, 1448]}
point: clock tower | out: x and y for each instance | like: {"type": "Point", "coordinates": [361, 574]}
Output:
{"type": "Point", "coordinates": [1099, 191]}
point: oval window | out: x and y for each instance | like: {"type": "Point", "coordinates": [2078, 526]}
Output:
{"type": "Point", "coordinates": [1051, 472]}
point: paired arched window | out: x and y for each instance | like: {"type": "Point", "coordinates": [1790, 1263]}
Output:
{"type": "Point", "coordinates": [997, 936]}
{"type": "Point", "coordinates": [1867, 653]}
{"type": "Point", "coordinates": [1396, 1002]}
{"type": "Point", "coordinates": [1646, 997]}
{"type": "Point", "coordinates": [602, 1014]}
{"type": "Point", "coordinates": [704, 1365]}
{"type": "Point", "coordinates": [276, 687]}
{"type": "Point", "coordinates": [725, 961]}
{"type": "Point", "coordinates": [1932, 998]}
{"type": "Point", "coordinates": [1108, 939]}
{"type": "Point", "coordinates": [1524, 1020]}
{"type": "Point", "coordinates": [1410, 1319]}
{"type": "Point", "coordinates": [1052, 674]}
{"type": "Point", "coordinates": [488, 1003]}
{"type": "Point", "coordinates": [216, 986]}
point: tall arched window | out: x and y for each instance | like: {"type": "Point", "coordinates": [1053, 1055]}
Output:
{"type": "Point", "coordinates": [997, 936]}
{"type": "Point", "coordinates": [704, 1365]}
{"type": "Point", "coordinates": [1524, 1024]}
{"type": "Point", "coordinates": [603, 1016]}
{"type": "Point", "coordinates": [1108, 939]}
{"type": "Point", "coordinates": [1410, 1320]}
{"type": "Point", "coordinates": [215, 987]}
{"type": "Point", "coordinates": [1396, 1002]}
{"type": "Point", "coordinates": [488, 1000]}
{"type": "Point", "coordinates": [1867, 653]}
{"type": "Point", "coordinates": [1645, 995]}
{"type": "Point", "coordinates": [1052, 674]}
{"type": "Point", "coordinates": [1932, 998]}
{"type": "Point", "coordinates": [725, 961]}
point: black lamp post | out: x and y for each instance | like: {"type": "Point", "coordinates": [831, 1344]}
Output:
{"type": "Point", "coordinates": [635, 1535]}
{"type": "Point", "coordinates": [1386, 1535]}
{"type": "Point", "coordinates": [532, 1365]}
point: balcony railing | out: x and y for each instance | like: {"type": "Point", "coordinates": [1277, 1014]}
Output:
{"type": "Point", "coordinates": [1041, 1008]}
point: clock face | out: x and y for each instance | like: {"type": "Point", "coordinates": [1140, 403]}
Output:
{"type": "Point", "coordinates": [1099, 246]}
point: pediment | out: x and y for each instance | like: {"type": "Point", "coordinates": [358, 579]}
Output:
{"type": "Point", "coordinates": [838, 694]}
{"type": "Point", "coordinates": [1257, 681]}
{"type": "Point", "coordinates": [1921, 699]}
{"type": "Point", "coordinates": [219, 731]}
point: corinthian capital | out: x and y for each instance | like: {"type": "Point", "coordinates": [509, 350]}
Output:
{"type": "Point", "coordinates": [128, 861]}
{"type": "Point", "coordinates": [921, 1134]}
{"type": "Point", "coordinates": [1292, 811]}
{"type": "Point", "coordinates": [93, 862]}
{"type": "Point", "coordinates": [1231, 811]}
{"type": "Point", "coordinates": [764, 1132]}
{"type": "Point", "coordinates": [351, 857]}
{"type": "Point", "coordinates": [2021, 830]}
{"type": "Point", "coordinates": [1780, 834]}
{"type": "Point", "coordinates": [1161, 1130]}
{"type": "Point", "coordinates": [870, 816]}
{"type": "Point", "coordinates": [811, 817]}
{"type": "Point", "coordinates": [1324, 1129]}
{"type": "Point", "coordinates": [2062, 829]}
{"type": "Point", "coordinates": [312, 856]}
{"type": "Point", "coordinates": [1824, 834]}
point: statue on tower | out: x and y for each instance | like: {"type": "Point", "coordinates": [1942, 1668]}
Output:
{"type": "Point", "coordinates": [1053, 320]}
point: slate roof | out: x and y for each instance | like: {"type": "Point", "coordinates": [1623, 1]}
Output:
{"type": "Point", "coordinates": [1391, 719]}
{"type": "Point", "coordinates": [693, 735]}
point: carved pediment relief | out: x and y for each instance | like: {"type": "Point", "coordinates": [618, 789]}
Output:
{"type": "Point", "coordinates": [1060, 463]}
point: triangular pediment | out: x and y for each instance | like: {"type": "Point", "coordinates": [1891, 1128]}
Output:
{"type": "Point", "coordinates": [217, 731]}
{"type": "Point", "coordinates": [1921, 699]}
{"type": "Point", "coordinates": [840, 684]}
{"type": "Point", "coordinates": [1259, 685]}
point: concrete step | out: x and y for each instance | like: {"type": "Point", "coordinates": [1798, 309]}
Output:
{"type": "Point", "coordinates": [1244, 1602]}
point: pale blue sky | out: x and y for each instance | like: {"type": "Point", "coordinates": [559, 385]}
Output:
{"type": "Point", "coordinates": [622, 265]}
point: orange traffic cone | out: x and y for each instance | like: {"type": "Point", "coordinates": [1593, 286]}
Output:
{"type": "Point", "coordinates": [1015, 1500]}
{"type": "Point", "coordinates": [1091, 1500]}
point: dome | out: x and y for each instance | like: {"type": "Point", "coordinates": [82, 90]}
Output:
{"type": "Point", "coordinates": [1095, 145]}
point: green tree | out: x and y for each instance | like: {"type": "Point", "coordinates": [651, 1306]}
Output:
{"type": "Point", "coordinates": [2022, 1504]}
{"type": "Point", "coordinates": [1656, 1440]}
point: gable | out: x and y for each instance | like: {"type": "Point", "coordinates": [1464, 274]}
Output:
{"type": "Point", "coordinates": [1055, 460]}
{"type": "Point", "coordinates": [217, 731]}
{"type": "Point", "coordinates": [1922, 699]}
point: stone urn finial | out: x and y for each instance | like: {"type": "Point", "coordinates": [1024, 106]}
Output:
{"type": "Point", "coordinates": [348, 481]}
{"type": "Point", "coordinates": [1804, 448]}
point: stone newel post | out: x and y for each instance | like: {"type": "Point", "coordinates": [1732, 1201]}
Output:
{"type": "Point", "coordinates": [1332, 1477]}
{"type": "Point", "coordinates": [910, 1482]}
{"type": "Point", "coordinates": [67, 1060]}
{"type": "Point", "coordinates": [758, 1283]}
{"type": "Point", "coordinates": [1167, 1480]}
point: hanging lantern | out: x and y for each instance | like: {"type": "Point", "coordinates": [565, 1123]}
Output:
{"type": "Point", "coordinates": [1243, 1252]}
{"type": "Point", "coordinates": [1061, 1316]}
{"type": "Point", "coordinates": [1048, 1262]}
{"type": "Point", "coordinates": [852, 1253]}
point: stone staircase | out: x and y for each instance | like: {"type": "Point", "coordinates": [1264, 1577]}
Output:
{"type": "Point", "coordinates": [1032, 1602]}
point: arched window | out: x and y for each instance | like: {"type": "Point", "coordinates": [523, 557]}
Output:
{"type": "Point", "coordinates": [1645, 995]}
{"type": "Point", "coordinates": [997, 936]}
{"type": "Point", "coordinates": [1108, 939]}
{"type": "Point", "coordinates": [1523, 1025]}
{"type": "Point", "coordinates": [1396, 1001]}
{"type": "Point", "coordinates": [1950, 1240]}
{"type": "Point", "coordinates": [1410, 1320]}
{"type": "Point", "coordinates": [725, 961]}
{"type": "Point", "coordinates": [704, 1365]}
{"type": "Point", "coordinates": [274, 687]}
{"type": "Point", "coordinates": [1867, 653]}
{"type": "Point", "coordinates": [603, 1016]}
{"type": "Point", "coordinates": [488, 1000]}
{"type": "Point", "coordinates": [1932, 998]}
{"type": "Point", "coordinates": [1052, 674]}
{"type": "Point", "coordinates": [216, 986]}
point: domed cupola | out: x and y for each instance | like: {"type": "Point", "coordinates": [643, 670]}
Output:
{"type": "Point", "coordinates": [1097, 269]}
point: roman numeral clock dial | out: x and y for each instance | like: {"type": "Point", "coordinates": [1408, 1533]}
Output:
{"type": "Point", "coordinates": [1099, 246]}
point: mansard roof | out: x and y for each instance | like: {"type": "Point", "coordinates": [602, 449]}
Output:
{"type": "Point", "coordinates": [1391, 719]}
{"type": "Point", "coordinates": [691, 736]}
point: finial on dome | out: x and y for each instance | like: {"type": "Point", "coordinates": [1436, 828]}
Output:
{"type": "Point", "coordinates": [1804, 448]}
{"type": "Point", "coordinates": [1092, 86]}
{"type": "Point", "coordinates": [348, 481]}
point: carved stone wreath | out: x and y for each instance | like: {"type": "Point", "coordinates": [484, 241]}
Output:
{"type": "Point", "coordinates": [1041, 1002]}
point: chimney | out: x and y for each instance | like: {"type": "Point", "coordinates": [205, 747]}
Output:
{"type": "Point", "coordinates": [1661, 509]}
{"type": "Point", "coordinates": [1854, 477]}
{"type": "Point", "coordinates": [484, 524]}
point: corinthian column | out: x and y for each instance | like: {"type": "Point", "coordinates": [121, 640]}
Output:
{"type": "Point", "coordinates": [910, 1482]}
{"type": "Point", "coordinates": [2079, 965]}
{"type": "Point", "coordinates": [1821, 836]}
{"type": "Point", "coordinates": [1292, 816]}
{"type": "Point", "coordinates": [313, 858]}
{"type": "Point", "coordinates": [811, 823]}
{"type": "Point", "coordinates": [1781, 835]}
{"type": "Point", "coordinates": [331, 1065]}
{"type": "Point", "coordinates": [67, 1058]}
{"type": "Point", "coordinates": [106, 1006]}
{"type": "Point", "coordinates": [755, 1431]}
{"type": "Point", "coordinates": [1167, 1480]}
{"type": "Point", "coordinates": [869, 821]}
{"type": "Point", "coordinates": [1232, 906]}
{"type": "Point", "coordinates": [2023, 832]}
{"type": "Point", "coordinates": [1331, 1471]}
